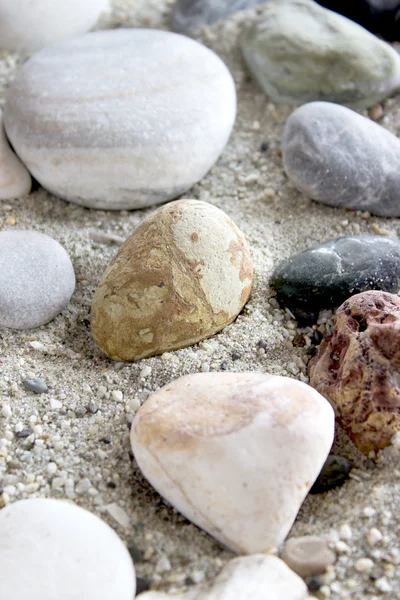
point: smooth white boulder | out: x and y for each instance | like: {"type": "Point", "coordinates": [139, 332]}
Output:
{"type": "Point", "coordinates": [54, 550]}
{"type": "Point", "coordinates": [236, 453]}
{"type": "Point", "coordinates": [28, 25]}
{"type": "Point", "coordinates": [121, 119]}
{"type": "Point", "coordinates": [255, 577]}
{"type": "Point", "coordinates": [14, 178]}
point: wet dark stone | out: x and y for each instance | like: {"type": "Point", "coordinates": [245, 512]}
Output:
{"type": "Point", "coordinates": [236, 356]}
{"type": "Point", "coordinates": [264, 147]}
{"type": "Point", "coordinates": [136, 553]}
{"type": "Point", "coordinates": [378, 16]}
{"type": "Point", "coordinates": [333, 474]}
{"type": "Point", "coordinates": [314, 583]}
{"type": "Point", "coordinates": [325, 275]}
{"type": "Point", "coordinates": [24, 433]}
{"type": "Point", "coordinates": [262, 344]}
{"type": "Point", "coordinates": [142, 584]}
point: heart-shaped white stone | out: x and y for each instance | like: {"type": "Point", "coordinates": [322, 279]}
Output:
{"type": "Point", "coordinates": [236, 453]}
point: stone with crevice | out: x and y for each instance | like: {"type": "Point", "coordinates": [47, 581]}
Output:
{"type": "Point", "coordinates": [14, 178]}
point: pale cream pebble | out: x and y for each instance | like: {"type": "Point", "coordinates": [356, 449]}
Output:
{"type": "Point", "coordinates": [308, 555]}
{"type": "Point", "coordinates": [342, 548]}
{"type": "Point", "coordinates": [118, 514]}
{"type": "Point", "coordinates": [368, 511]}
{"type": "Point", "coordinates": [255, 439]}
{"type": "Point", "coordinates": [383, 585]}
{"type": "Point", "coordinates": [345, 532]}
{"type": "Point", "coordinates": [364, 565]}
{"type": "Point", "coordinates": [117, 395]}
{"type": "Point", "coordinates": [373, 536]}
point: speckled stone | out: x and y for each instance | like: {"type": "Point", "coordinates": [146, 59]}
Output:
{"type": "Point", "coordinates": [333, 474]}
{"type": "Point", "coordinates": [121, 119]}
{"type": "Point", "coordinates": [37, 279]}
{"type": "Point", "coordinates": [325, 275]}
{"type": "Point", "coordinates": [291, 48]}
{"type": "Point", "coordinates": [378, 16]}
{"type": "Point", "coordinates": [54, 549]}
{"type": "Point", "coordinates": [14, 178]}
{"type": "Point", "coordinates": [358, 368]}
{"type": "Point", "coordinates": [28, 25]}
{"type": "Point", "coordinates": [191, 15]}
{"type": "Point", "coordinates": [340, 158]}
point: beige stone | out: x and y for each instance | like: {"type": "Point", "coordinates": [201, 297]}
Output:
{"type": "Point", "coordinates": [183, 275]}
{"type": "Point", "coordinates": [236, 453]}
{"type": "Point", "coordinates": [14, 177]}
{"type": "Point", "coordinates": [308, 555]}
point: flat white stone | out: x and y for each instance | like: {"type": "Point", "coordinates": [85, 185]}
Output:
{"type": "Point", "coordinates": [37, 279]}
{"type": "Point", "coordinates": [51, 549]}
{"type": "Point", "coordinates": [121, 119]}
{"type": "Point", "coordinates": [236, 453]}
{"type": "Point", "coordinates": [14, 177]}
{"type": "Point", "coordinates": [255, 577]}
{"type": "Point", "coordinates": [28, 25]}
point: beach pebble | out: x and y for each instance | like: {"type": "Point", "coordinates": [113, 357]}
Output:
{"type": "Point", "coordinates": [191, 15]}
{"type": "Point", "coordinates": [37, 279]}
{"type": "Point", "coordinates": [255, 577]}
{"type": "Point", "coordinates": [333, 474]}
{"type": "Point", "coordinates": [52, 548]}
{"type": "Point", "coordinates": [121, 137]}
{"type": "Point", "coordinates": [324, 276]}
{"type": "Point", "coordinates": [340, 158]}
{"type": "Point", "coordinates": [379, 16]}
{"type": "Point", "coordinates": [35, 385]}
{"type": "Point", "coordinates": [14, 178]}
{"type": "Point", "coordinates": [291, 47]}
{"type": "Point", "coordinates": [307, 556]}
{"type": "Point", "coordinates": [358, 368]}
{"type": "Point", "coordinates": [28, 25]}
{"type": "Point", "coordinates": [236, 453]}
{"type": "Point", "coordinates": [183, 274]}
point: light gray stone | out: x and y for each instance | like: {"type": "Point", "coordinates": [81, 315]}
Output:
{"type": "Point", "coordinates": [121, 119]}
{"type": "Point", "coordinates": [341, 158]}
{"type": "Point", "coordinates": [300, 52]}
{"type": "Point", "coordinates": [14, 178]}
{"type": "Point", "coordinates": [37, 279]}
{"type": "Point", "coordinates": [191, 15]}
{"type": "Point", "coordinates": [28, 25]}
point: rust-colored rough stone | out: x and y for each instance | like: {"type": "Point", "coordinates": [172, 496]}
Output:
{"type": "Point", "coordinates": [358, 368]}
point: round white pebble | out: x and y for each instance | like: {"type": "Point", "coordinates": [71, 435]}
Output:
{"type": "Point", "coordinates": [37, 279]}
{"type": "Point", "coordinates": [53, 549]}
{"type": "Point", "coordinates": [121, 119]}
{"type": "Point", "coordinates": [28, 25]}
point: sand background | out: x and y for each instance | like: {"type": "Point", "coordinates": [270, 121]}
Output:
{"type": "Point", "coordinates": [92, 450]}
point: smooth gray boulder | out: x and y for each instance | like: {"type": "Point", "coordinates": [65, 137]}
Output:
{"type": "Point", "coordinates": [300, 52]}
{"type": "Point", "coordinates": [338, 157]}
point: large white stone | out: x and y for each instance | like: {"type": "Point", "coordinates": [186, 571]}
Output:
{"type": "Point", "coordinates": [121, 119]}
{"type": "Point", "coordinates": [28, 25]}
{"type": "Point", "coordinates": [255, 577]}
{"type": "Point", "coordinates": [14, 178]}
{"type": "Point", "coordinates": [54, 550]}
{"type": "Point", "coordinates": [236, 453]}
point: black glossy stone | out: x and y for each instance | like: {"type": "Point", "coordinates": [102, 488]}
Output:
{"type": "Point", "coordinates": [378, 16]}
{"type": "Point", "coordinates": [333, 474]}
{"type": "Point", "coordinates": [325, 275]}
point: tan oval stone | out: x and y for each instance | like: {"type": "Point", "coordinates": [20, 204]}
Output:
{"type": "Point", "coordinates": [308, 555]}
{"type": "Point", "coordinates": [182, 276]}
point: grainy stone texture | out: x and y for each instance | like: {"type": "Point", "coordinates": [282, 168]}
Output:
{"type": "Point", "coordinates": [340, 158]}
{"type": "Point", "coordinates": [255, 577]}
{"type": "Point", "coordinates": [378, 16]}
{"type": "Point", "coordinates": [14, 177]}
{"type": "Point", "coordinates": [37, 279]}
{"type": "Point", "coordinates": [307, 556]}
{"type": "Point", "coordinates": [358, 368]}
{"type": "Point", "coordinates": [190, 15]}
{"type": "Point", "coordinates": [53, 549]}
{"type": "Point", "coordinates": [325, 275]}
{"type": "Point", "coordinates": [184, 274]}
{"type": "Point", "coordinates": [125, 118]}
{"type": "Point", "coordinates": [28, 25]}
{"type": "Point", "coordinates": [333, 474]}
{"type": "Point", "coordinates": [236, 453]}
{"type": "Point", "coordinates": [292, 46]}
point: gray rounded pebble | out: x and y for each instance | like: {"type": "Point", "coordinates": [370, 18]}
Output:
{"type": "Point", "coordinates": [37, 279]}
{"type": "Point", "coordinates": [191, 15]}
{"type": "Point", "coordinates": [340, 158]}
{"type": "Point", "coordinates": [35, 385]}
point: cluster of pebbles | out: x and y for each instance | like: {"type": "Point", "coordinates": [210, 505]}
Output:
{"type": "Point", "coordinates": [129, 118]}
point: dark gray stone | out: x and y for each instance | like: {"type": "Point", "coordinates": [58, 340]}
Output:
{"type": "Point", "coordinates": [325, 275]}
{"type": "Point", "coordinates": [340, 158]}
{"type": "Point", "coordinates": [333, 474]}
{"type": "Point", "coordinates": [35, 385]}
{"type": "Point", "coordinates": [191, 15]}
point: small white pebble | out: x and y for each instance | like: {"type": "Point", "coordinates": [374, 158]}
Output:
{"type": "Point", "coordinates": [134, 403]}
{"type": "Point", "coordinates": [163, 565]}
{"type": "Point", "coordinates": [36, 345]}
{"type": "Point", "coordinates": [118, 514]}
{"type": "Point", "coordinates": [395, 441]}
{"type": "Point", "coordinates": [11, 490]}
{"type": "Point", "coordinates": [342, 548]}
{"type": "Point", "coordinates": [368, 511]}
{"type": "Point", "coordinates": [6, 411]}
{"type": "Point", "coordinates": [205, 367]}
{"type": "Point", "coordinates": [345, 532]}
{"type": "Point", "coordinates": [55, 404]}
{"type": "Point", "coordinates": [373, 536]}
{"type": "Point", "coordinates": [83, 486]}
{"type": "Point", "coordinates": [117, 395]}
{"type": "Point", "coordinates": [364, 565]}
{"type": "Point", "coordinates": [383, 585]}
{"type": "Point", "coordinates": [198, 576]}
{"type": "Point", "coordinates": [52, 468]}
